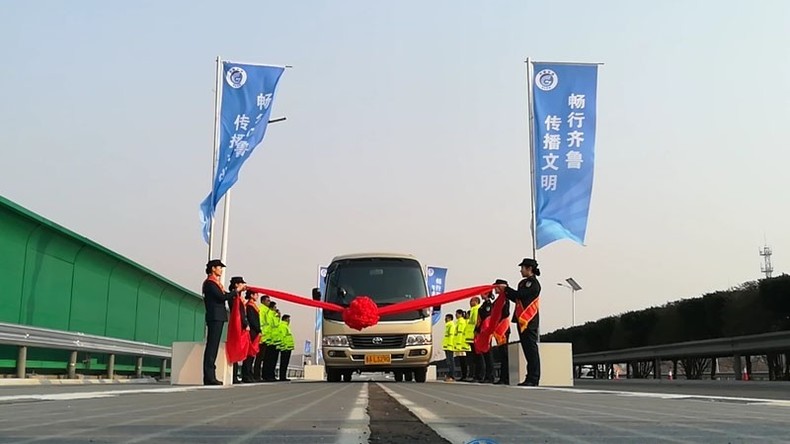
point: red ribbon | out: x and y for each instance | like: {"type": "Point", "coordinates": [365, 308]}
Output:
{"type": "Point", "coordinates": [301, 300]}
{"type": "Point", "coordinates": [363, 311]}
{"type": "Point", "coordinates": [483, 339]}
{"type": "Point", "coordinates": [238, 340]}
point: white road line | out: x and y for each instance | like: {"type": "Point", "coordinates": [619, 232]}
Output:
{"type": "Point", "coordinates": [357, 428]}
{"type": "Point", "coordinates": [102, 394]}
{"type": "Point", "coordinates": [551, 434]}
{"type": "Point", "coordinates": [762, 401]}
{"type": "Point", "coordinates": [448, 432]}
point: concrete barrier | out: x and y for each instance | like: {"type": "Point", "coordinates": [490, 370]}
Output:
{"type": "Point", "coordinates": [187, 364]}
{"type": "Point", "coordinates": [556, 364]}
{"type": "Point", "coordinates": [314, 372]}
{"type": "Point", "coordinates": [431, 375]}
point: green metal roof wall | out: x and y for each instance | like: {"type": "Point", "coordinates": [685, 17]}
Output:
{"type": "Point", "coordinates": [55, 278]}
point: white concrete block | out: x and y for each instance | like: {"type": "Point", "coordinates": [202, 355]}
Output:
{"type": "Point", "coordinates": [186, 367]}
{"type": "Point", "coordinates": [314, 372]}
{"type": "Point", "coordinates": [556, 364]}
{"type": "Point", "coordinates": [431, 376]}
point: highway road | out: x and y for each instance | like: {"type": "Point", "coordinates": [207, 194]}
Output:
{"type": "Point", "coordinates": [370, 411]}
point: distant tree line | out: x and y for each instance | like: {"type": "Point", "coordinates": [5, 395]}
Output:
{"type": "Point", "coordinates": [750, 308]}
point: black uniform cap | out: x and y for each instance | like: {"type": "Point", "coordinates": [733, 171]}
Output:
{"type": "Point", "coordinates": [527, 262]}
{"type": "Point", "coordinates": [214, 263]}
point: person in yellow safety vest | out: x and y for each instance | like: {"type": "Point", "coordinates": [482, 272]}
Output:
{"type": "Point", "coordinates": [270, 361]}
{"type": "Point", "coordinates": [448, 345]}
{"type": "Point", "coordinates": [461, 346]}
{"type": "Point", "coordinates": [263, 315]}
{"type": "Point", "coordinates": [285, 344]}
{"type": "Point", "coordinates": [469, 337]}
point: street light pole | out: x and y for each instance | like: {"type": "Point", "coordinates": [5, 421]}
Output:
{"type": "Point", "coordinates": [574, 287]}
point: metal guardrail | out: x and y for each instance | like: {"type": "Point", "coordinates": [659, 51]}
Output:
{"type": "Point", "coordinates": [36, 337]}
{"type": "Point", "coordinates": [709, 348]}
{"type": "Point", "coordinates": [25, 336]}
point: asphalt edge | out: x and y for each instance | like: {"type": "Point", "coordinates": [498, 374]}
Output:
{"type": "Point", "coordinates": [24, 382]}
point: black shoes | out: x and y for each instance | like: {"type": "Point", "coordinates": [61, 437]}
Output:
{"type": "Point", "coordinates": [528, 384]}
{"type": "Point", "coordinates": [214, 382]}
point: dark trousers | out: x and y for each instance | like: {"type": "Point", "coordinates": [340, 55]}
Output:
{"type": "Point", "coordinates": [529, 345]}
{"type": "Point", "coordinates": [270, 362]}
{"type": "Point", "coordinates": [471, 361]}
{"type": "Point", "coordinates": [448, 354]}
{"type": "Point", "coordinates": [484, 365]}
{"type": "Point", "coordinates": [257, 366]}
{"type": "Point", "coordinates": [212, 347]}
{"type": "Point", "coordinates": [285, 358]}
{"type": "Point", "coordinates": [462, 364]}
{"type": "Point", "coordinates": [504, 363]}
{"type": "Point", "coordinates": [246, 369]}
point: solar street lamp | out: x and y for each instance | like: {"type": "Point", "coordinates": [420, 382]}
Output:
{"type": "Point", "coordinates": [574, 287]}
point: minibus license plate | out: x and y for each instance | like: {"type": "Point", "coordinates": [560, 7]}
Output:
{"type": "Point", "coordinates": [378, 359]}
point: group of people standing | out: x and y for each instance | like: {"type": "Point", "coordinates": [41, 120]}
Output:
{"type": "Point", "coordinates": [463, 334]}
{"type": "Point", "coordinates": [258, 335]}
{"type": "Point", "coordinates": [460, 335]}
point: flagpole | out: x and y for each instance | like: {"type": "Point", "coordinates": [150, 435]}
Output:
{"type": "Point", "coordinates": [531, 132]}
{"type": "Point", "coordinates": [223, 253]}
{"type": "Point", "coordinates": [217, 98]}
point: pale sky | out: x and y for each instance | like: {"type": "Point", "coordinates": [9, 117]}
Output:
{"type": "Point", "coordinates": [407, 132]}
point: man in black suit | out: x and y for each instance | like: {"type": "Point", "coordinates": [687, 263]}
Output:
{"type": "Point", "coordinates": [214, 297]}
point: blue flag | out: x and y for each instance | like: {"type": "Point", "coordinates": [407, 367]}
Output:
{"type": "Point", "coordinates": [564, 103]}
{"type": "Point", "coordinates": [437, 278]}
{"type": "Point", "coordinates": [247, 96]}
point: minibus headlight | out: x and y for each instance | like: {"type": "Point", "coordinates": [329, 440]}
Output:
{"type": "Point", "coordinates": [335, 341]}
{"type": "Point", "coordinates": [418, 340]}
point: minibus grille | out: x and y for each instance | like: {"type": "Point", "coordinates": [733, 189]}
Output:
{"type": "Point", "coordinates": [378, 341]}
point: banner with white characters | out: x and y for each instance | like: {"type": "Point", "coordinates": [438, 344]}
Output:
{"type": "Point", "coordinates": [437, 278]}
{"type": "Point", "coordinates": [247, 95]}
{"type": "Point", "coordinates": [564, 106]}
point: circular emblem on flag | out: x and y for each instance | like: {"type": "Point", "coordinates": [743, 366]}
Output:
{"type": "Point", "coordinates": [323, 272]}
{"type": "Point", "coordinates": [546, 80]}
{"type": "Point", "coordinates": [236, 77]}
{"type": "Point", "coordinates": [430, 271]}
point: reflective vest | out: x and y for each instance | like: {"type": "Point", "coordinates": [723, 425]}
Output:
{"type": "Point", "coordinates": [525, 315]}
{"type": "Point", "coordinates": [449, 335]}
{"type": "Point", "coordinates": [275, 333]}
{"type": "Point", "coordinates": [271, 316]}
{"type": "Point", "coordinates": [263, 315]}
{"type": "Point", "coordinates": [285, 337]}
{"type": "Point", "coordinates": [460, 338]}
{"type": "Point", "coordinates": [471, 323]}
